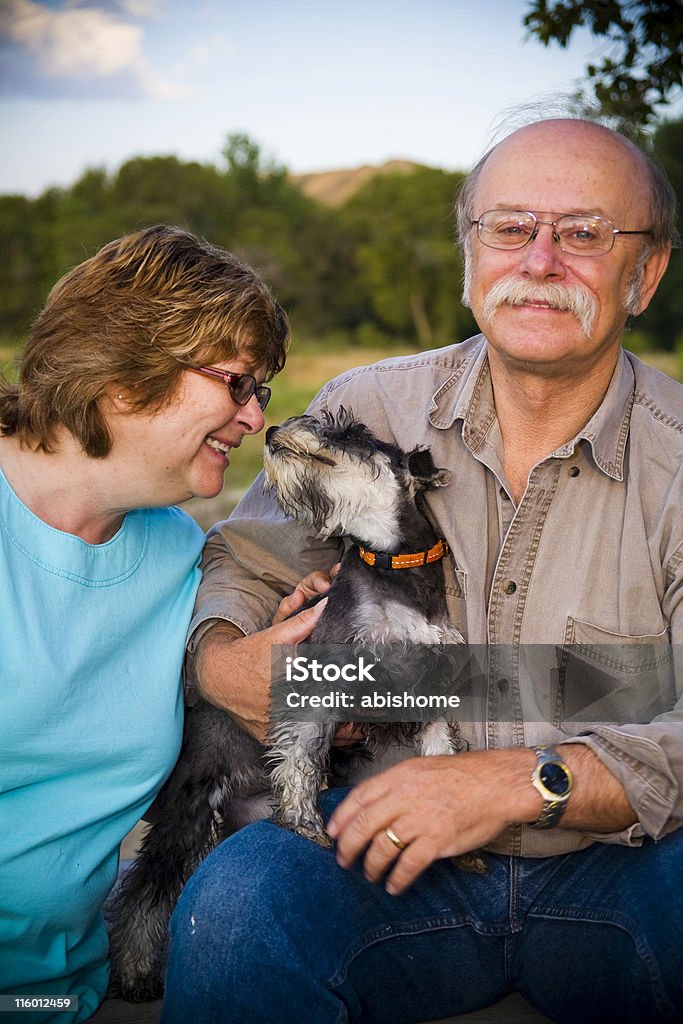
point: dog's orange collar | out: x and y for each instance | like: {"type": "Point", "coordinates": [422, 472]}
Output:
{"type": "Point", "coordinates": [383, 560]}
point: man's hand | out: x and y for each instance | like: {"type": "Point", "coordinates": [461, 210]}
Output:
{"type": "Point", "coordinates": [446, 806]}
{"type": "Point", "coordinates": [233, 671]}
{"type": "Point", "coordinates": [437, 806]}
{"type": "Point", "coordinates": [310, 586]}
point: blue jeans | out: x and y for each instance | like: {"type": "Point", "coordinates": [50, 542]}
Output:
{"type": "Point", "coordinates": [271, 930]}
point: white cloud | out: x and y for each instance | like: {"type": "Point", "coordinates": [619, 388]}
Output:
{"type": "Point", "coordinates": [210, 55]}
{"type": "Point", "coordinates": [56, 51]}
{"type": "Point", "coordinates": [141, 8]}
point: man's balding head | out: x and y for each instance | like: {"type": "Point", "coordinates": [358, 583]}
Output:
{"type": "Point", "coordinates": [592, 146]}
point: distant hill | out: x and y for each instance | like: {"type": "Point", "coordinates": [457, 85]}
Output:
{"type": "Point", "coordinates": [332, 188]}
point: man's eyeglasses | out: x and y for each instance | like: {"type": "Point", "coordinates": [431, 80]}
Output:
{"type": "Point", "coordinates": [579, 234]}
{"type": "Point", "coordinates": [242, 386]}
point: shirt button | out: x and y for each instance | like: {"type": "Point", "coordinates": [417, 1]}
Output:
{"type": "Point", "coordinates": [509, 586]}
{"type": "Point", "coordinates": [503, 685]}
{"type": "Point", "coordinates": [574, 471]}
{"type": "Point", "coordinates": [504, 494]}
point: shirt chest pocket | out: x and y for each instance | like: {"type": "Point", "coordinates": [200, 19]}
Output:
{"type": "Point", "coordinates": [608, 677]}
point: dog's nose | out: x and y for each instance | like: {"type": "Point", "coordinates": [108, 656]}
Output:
{"type": "Point", "coordinates": [270, 433]}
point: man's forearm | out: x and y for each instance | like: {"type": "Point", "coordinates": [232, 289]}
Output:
{"type": "Point", "coordinates": [598, 802]}
{"type": "Point", "coordinates": [207, 663]}
{"type": "Point", "coordinates": [233, 672]}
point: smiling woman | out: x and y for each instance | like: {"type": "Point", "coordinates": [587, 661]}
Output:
{"type": "Point", "coordinates": [104, 381]}
{"type": "Point", "coordinates": [107, 426]}
{"type": "Point", "coordinates": [181, 451]}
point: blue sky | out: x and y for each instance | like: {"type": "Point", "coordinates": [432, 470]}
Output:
{"type": "Point", "coordinates": [319, 85]}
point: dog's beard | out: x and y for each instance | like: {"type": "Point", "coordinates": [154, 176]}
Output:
{"type": "Point", "coordinates": [358, 499]}
{"type": "Point", "coordinates": [571, 298]}
{"type": "Point", "coordinates": [297, 497]}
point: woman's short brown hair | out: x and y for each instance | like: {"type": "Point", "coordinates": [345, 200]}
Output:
{"type": "Point", "coordinates": [125, 321]}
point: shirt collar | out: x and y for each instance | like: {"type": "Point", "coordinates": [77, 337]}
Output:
{"type": "Point", "coordinates": [607, 429]}
{"type": "Point", "coordinates": [467, 396]}
{"type": "Point", "coordinates": [459, 397]}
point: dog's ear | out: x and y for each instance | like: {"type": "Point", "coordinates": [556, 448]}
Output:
{"type": "Point", "coordinates": [420, 465]}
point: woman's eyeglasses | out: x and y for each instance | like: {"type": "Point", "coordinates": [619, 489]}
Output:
{"type": "Point", "coordinates": [242, 386]}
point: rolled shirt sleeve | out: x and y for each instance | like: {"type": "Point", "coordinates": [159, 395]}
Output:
{"type": "Point", "coordinates": [647, 759]}
{"type": "Point", "coordinates": [251, 561]}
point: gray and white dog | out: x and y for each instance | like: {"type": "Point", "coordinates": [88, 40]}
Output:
{"type": "Point", "coordinates": [334, 475]}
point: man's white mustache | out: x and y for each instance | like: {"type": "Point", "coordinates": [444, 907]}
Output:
{"type": "Point", "coordinates": [567, 298]}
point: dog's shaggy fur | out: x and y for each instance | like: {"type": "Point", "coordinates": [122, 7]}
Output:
{"type": "Point", "coordinates": [338, 478]}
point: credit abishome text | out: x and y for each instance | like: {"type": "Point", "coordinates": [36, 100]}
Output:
{"type": "Point", "coordinates": [373, 700]}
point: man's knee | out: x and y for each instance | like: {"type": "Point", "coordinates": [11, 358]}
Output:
{"type": "Point", "coordinates": [611, 927]}
{"type": "Point", "coordinates": [238, 883]}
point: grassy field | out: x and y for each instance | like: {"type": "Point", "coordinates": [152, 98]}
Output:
{"type": "Point", "coordinates": [309, 366]}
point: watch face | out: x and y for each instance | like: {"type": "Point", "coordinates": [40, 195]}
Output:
{"type": "Point", "coordinates": [554, 778]}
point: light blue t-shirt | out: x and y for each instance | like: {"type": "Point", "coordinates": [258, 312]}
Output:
{"type": "Point", "coordinates": [91, 648]}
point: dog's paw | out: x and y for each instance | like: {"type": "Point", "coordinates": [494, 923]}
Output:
{"type": "Point", "coordinates": [313, 830]}
{"type": "Point", "coordinates": [471, 862]}
{"type": "Point", "coordinates": [136, 988]}
{"type": "Point", "coordinates": [144, 990]}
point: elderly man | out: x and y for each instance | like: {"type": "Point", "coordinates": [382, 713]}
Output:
{"type": "Point", "coordinates": [565, 523]}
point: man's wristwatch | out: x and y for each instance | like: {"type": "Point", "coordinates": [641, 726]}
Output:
{"type": "Point", "coordinates": [553, 780]}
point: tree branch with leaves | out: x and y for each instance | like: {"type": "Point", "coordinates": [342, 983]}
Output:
{"type": "Point", "coordinates": [643, 67]}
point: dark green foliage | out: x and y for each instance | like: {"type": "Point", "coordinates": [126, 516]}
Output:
{"type": "Point", "coordinates": [644, 63]}
{"type": "Point", "coordinates": [662, 323]}
{"type": "Point", "coordinates": [406, 261]}
{"type": "Point", "coordinates": [383, 268]}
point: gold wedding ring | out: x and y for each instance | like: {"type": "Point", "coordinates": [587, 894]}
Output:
{"type": "Point", "coordinates": [398, 843]}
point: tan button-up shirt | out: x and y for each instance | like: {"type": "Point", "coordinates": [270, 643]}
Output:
{"type": "Point", "coordinates": [575, 595]}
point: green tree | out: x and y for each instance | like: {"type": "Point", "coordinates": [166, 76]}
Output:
{"type": "Point", "coordinates": [247, 205]}
{"type": "Point", "coordinates": [28, 232]}
{"type": "Point", "coordinates": [644, 65]}
{"type": "Point", "coordinates": [254, 177]}
{"type": "Point", "coordinates": [292, 240]}
{"type": "Point", "coordinates": [85, 216]}
{"type": "Point", "coordinates": [662, 322]}
{"type": "Point", "coordinates": [163, 189]}
{"type": "Point", "coordinates": [22, 269]}
{"type": "Point", "coordinates": [407, 262]}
